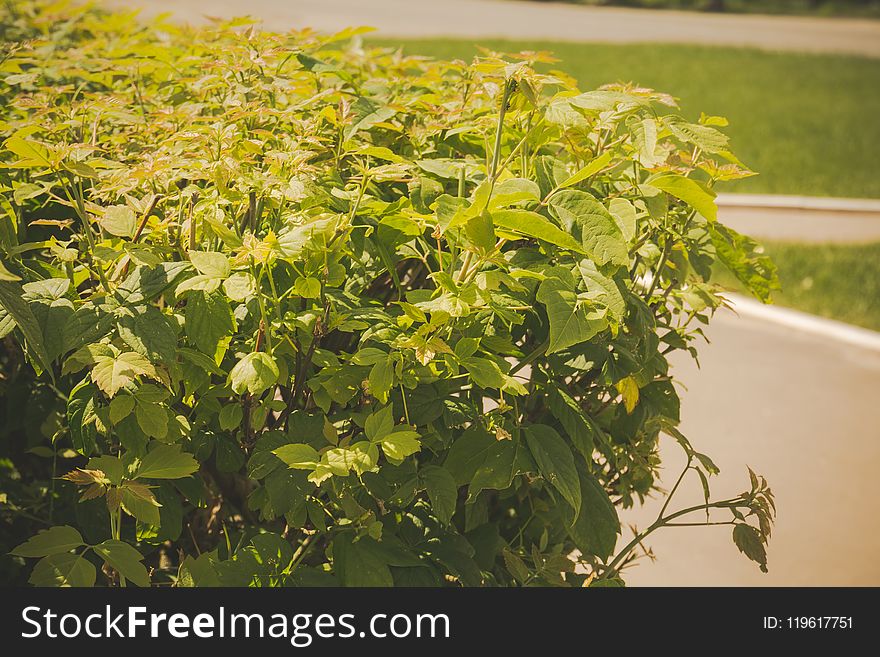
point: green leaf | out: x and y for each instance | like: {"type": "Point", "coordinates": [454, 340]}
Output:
{"type": "Point", "coordinates": [514, 190]}
{"type": "Point", "coordinates": [307, 288]}
{"type": "Point", "coordinates": [147, 283]}
{"type": "Point", "coordinates": [603, 290]}
{"type": "Point", "coordinates": [55, 540]}
{"type": "Point", "coordinates": [442, 491]}
{"type": "Point", "coordinates": [152, 419]}
{"type": "Point", "coordinates": [581, 214]}
{"type": "Point", "coordinates": [534, 225]}
{"type": "Point", "coordinates": [497, 469]}
{"type": "Point", "coordinates": [240, 286]}
{"type": "Point", "coordinates": [702, 136]}
{"type": "Point", "coordinates": [749, 542]}
{"type": "Point", "coordinates": [400, 443]}
{"type": "Point", "coordinates": [148, 333]}
{"type": "Point", "coordinates": [294, 240]}
{"type": "Point", "coordinates": [254, 373]}
{"type": "Point", "coordinates": [571, 320]}
{"type": "Point", "coordinates": [119, 220]}
{"type": "Point", "coordinates": [209, 323]}
{"type": "Point", "coordinates": [64, 570]}
{"type": "Point", "coordinates": [298, 456]}
{"type": "Point", "coordinates": [11, 299]}
{"type": "Point", "coordinates": [210, 263]}
{"type": "Point", "coordinates": [360, 563]}
{"type": "Point", "coordinates": [624, 214]}
{"type": "Point", "coordinates": [6, 275]}
{"type": "Point", "coordinates": [578, 427]}
{"type": "Point", "coordinates": [484, 372]}
{"type": "Point", "coordinates": [166, 462]}
{"type": "Point", "coordinates": [591, 169]}
{"type": "Point", "coordinates": [595, 530]}
{"type": "Point", "coordinates": [381, 378]}
{"type": "Point", "coordinates": [31, 153]}
{"type": "Point", "coordinates": [125, 559]}
{"type": "Point", "coordinates": [121, 407]}
{"type": "Point", "coordinates": [745, 259]}
{"type": "Point", "coordinates": [379, 423]}
{"type": "Point", "coordinates": [111, 373]}
{"type": "Point", "coordinates": [628, 388]}
{"type": "Point", "coordinates": [230, 417]}
{"type": "Point", "coordinates": [467, 454]}
{"type": "Point", "coordinates": [555, 463]}
{"type": "Point", "coordinates": [81, 403]}
{"type": "Point", "coordinates": [365, 114]}
{"type": "Point", "coordinates": [689, 191]}
{"type": "Point", "coordinates": [138, 501]}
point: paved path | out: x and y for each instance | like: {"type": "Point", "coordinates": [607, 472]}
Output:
{"type": "Point", "coordinates": [802, 410]}
{"type": "Point", "coordinates": [800, 219]}
{"type": "Point", "coordinates": [540, 20]}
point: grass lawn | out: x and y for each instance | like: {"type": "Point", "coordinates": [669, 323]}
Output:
{"type": "Point", "coordinates": [839, 281]}
{"type": "Point", "coordinates": [807, 123]}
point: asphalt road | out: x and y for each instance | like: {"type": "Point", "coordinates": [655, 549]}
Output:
{"type": "Point", "coordinates": [540, 20]}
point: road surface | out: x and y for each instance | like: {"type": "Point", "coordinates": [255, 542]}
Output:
{"type": "Point", "coordinates": [539, 20]}
{"type": "Point", "coordinates": [801, 409]}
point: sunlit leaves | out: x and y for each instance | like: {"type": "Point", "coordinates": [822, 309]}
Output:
{"type": "Point", "coordinates": [299, 294]}
{"type": "Point", "coordinates": [166, 462]}
{"type": "Point", "coordinates": [125, 560]}
{"type": "Point", "coordinates": [209, 323]}
{"type": "Point", "coordinates": [254, 373]}
{"type": "Point", "coordinates": [112, 372]}
{"type": "Point", "coordinates": [573, 320]}
{"type": "Point", "coordinates": [55, 540]}
{"type": "Point", "coordinates": [689, 191]}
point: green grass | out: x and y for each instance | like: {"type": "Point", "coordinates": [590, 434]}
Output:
{"type": "Point", "coordinates": [807, 123]}
{"type": "Point", "coordinates": [840, 281]}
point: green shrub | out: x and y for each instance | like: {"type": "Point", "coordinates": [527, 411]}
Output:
{"type": "Point", "coordinates": [282, 311]}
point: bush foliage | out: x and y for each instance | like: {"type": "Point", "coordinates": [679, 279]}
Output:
{"type": "Point", "coordinates": [279, 310]}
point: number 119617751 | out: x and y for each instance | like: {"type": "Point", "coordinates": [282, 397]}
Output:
{"type": "Point", "coordinates": [808, 622]}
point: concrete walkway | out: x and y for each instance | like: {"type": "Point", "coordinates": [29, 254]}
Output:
{"type": "Point", "coordinates": [802, 219]}
{"type": "Point", "coordinates": [539, 20]}
{"type": "Point", "coordinates": [800, 408]}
